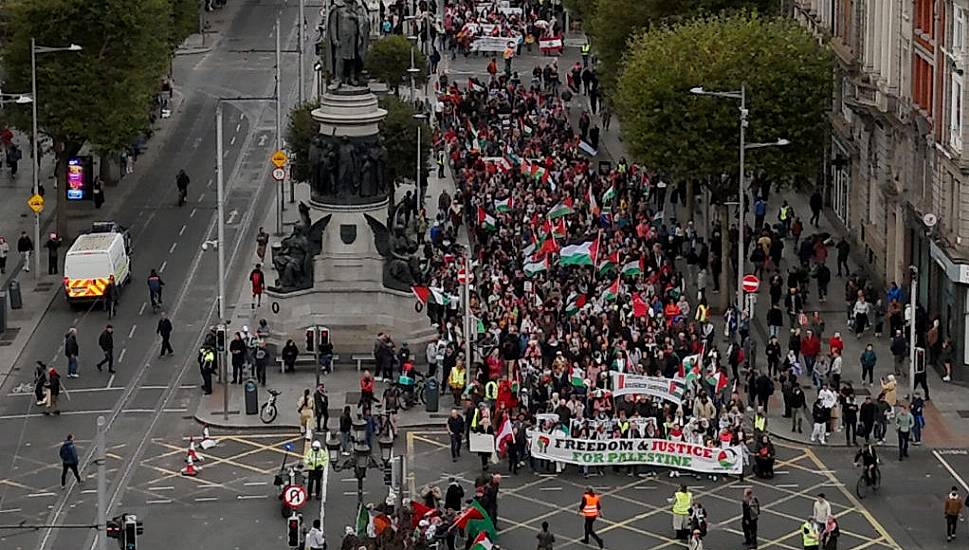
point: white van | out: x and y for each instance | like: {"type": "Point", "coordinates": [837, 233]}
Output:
{"type": "Point", "coordinates": [91, 262]}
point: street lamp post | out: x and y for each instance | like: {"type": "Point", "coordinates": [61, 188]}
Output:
{"type": "Point", "coordinates": [742, 199]}
{"type": "Point", "coordinates": [34, 50]}
{"type": "Point", "coordinates": [914, 272]}
{"type": "Point", "coordinates": [420, 118]}
{"type": "Point", "coordinates": [361, 459]}
{"type": "Point", "coordinates": [413, 70]}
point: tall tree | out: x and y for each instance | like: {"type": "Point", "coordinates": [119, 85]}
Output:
{"type": "Point", "coordinates": [389, 58]}
{"type": "Point", "coordinates": [185, 20]}
{"type": "Point", "coordinates": [399, 130]}
{"type": "Point", "coordinates": [300, 132]}
{"type": "Point", "coordinates": [99, 96]}
{"type": "Point", "coordinates": [788, 80]}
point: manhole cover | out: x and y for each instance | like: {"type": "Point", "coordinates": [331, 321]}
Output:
{"type": "Point", "coordinates": [963, 414]}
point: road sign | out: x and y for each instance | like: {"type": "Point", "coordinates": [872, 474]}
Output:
{"type": "Point", "coordinates": [279, 174]}
{"type": "Point", "coordinates": [294, 496]}
{"type": "Point", "coordinates": [461, 276]}
{"type": "Point", "coordinates": [751, 283]}
{"type": "Point", "coordinates": [36, 203]}
{"type": "Point", "coordinates": [279, 159]}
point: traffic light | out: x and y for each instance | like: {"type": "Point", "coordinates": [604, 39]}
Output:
{"type": "Point", "coordinates": [293, 530]}
{"type": "Point", "coordinates": [132, 528]}
{"type": "Point", "coordinates": [310, 339]}
{"type": "Point", "coordinates": [220, 338]}
{"type": "Point", "coordinates": [112, 530]}
{"type": "Point", "coordinates": [324, 338]}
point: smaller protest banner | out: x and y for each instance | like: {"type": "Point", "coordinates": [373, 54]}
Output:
{"type": "Point", "coordinates": [670, 389]}
{"type": "Point", "coordinates": [481, 443]}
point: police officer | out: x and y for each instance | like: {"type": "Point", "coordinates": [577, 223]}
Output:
{"type": "Point", "coordinates": [586, 50]}
{"type": "Point", "coordinates": [315, 460]}
{"type": "Point", "coordinates": [590, 507]}
{"type": "Point", "coordinates": [682, 502]}
{"type": "Point", "coordinates": [206, 366]}
{"type": "Point", "coordinates": [809, 535]}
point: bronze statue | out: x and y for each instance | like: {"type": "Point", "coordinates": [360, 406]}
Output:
{"type": "Point", "coordinates": [347, 40]}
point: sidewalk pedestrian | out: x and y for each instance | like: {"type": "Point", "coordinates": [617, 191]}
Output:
{"type": "Point", "coordinates": [106, 343]}
{"type": "Point", "coordinates": [258, 281]}
{"type": "Point", "coordinates": [181, 183]}
{"type": "Point", "coordinates": [53, 245]}
{"type": "Point", "coordinates": [953, 507]}
{"type": "Point", "coordinates": [262, 240]}
{"type": "Point", "coordinates": [816, 203]}
{"type": "Point", "coordinates": [304, 408]}
{"type": "Point", "coordinates": [321, 408]}
{"type": "Point", "coordinates": [455, 430]}
{"type": "Point", "coordinates": [590, 507]}
{"type": "Point", "coordinates": [164, 329]}
{"type": "Point", "coordinates": [798, 402]}
{"type": "Point", "coordinates": [682, 501]}
{"type": "Point", "coordinates": [69, 460]}
{"type": "Point", "coordinates": [849, 415]}
{"type": "Point", "coordinates": [866, 415]}
{"type": "Point", "coordinates": [24, 247]}
{"type": "Point", "coordinates": [261, 358]}
{"type": "Point", "coordinates": [918, 413]}
{"type": "Point", "coordinates": [4, 252]}
{"type": "Point", "coordinates": [237, 356]}
{"type": "Point", "coordinates": [750, 507]}
{"type": "Point", "coordinates": [315, 539]}
{"type": "Point", "coordinates": [71, 351]}
{"type": "Point", "coordinates": [111, 296]}
{"type": "Point", "coordinates": [843, 250]}
{"type": "Point", "coordinates": [904, 422]}
{"type": "Point", "coordinates": [820, 418]}
{"type": "Point", "coordinates": [696, 541]}
{"type": "Point", "coordinates": [899, 349]}
{"type": "Point", "coordinates": [868, 361]}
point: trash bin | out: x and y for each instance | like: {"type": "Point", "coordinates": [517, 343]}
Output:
{"type": "Point", "coordinates": [431, 395]}
{"type": "Point", "coordinates": [251, 391]}
{"type": "Point", "coordinates": [13, 294]}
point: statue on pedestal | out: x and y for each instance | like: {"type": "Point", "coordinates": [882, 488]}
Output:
{"type": "Point", "coordinates": [347, 40]}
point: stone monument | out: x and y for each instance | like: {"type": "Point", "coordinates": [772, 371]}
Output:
{"type": "Point", "coordinates": [346, 265]}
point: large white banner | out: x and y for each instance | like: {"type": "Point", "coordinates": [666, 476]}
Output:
{"type": "Point", "coordinates": [669, 389]}
{"type": "Point", "coordinates": [493, 43]}
{"type": "Point", "coordinates": [629, 452]}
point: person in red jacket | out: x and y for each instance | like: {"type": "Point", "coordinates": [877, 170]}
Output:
{"type": "Point", "coordinates": [258, 280]}
{"type": "Point", "coordinates": [810, 348]}
{"type": "Point", "coordinates": [836, 343]}
{"type": "Point", "coordinates": [366, 389]}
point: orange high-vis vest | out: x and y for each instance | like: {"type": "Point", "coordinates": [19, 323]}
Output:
{"type": "Point", "coordinates": [591, 508]}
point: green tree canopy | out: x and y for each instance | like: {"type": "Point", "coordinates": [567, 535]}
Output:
{"type": "Point", "coordinates": [100, 95]}
{"type": "Point", "coordinates": [389, 59]}
{"type": "Point", "coordinates": [185, 20]}
{"type": "Point", "coordinates": [612, 23]}
{"type": "Point", "coordinates": [399, 130]}
{"type": "Point", "coordinates": [788, 83]}
{"type": "Point", "coordinates": [299, 133]}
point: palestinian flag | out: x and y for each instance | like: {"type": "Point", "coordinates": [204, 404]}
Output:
{"type": "Point", "coordinates": [479, 326]}
{"type": "Point", "coordinates": [591, 200]}
{"type": "Point", "coordinates": [580, 254]}
{"type": "Point", "coordinates": [482, 542]}
{"type": "Point", "coordinates": [633, 268]}
{"type": "Point", "coordinates": [363, 521]}
{"type": "Point", "coordinates": [609, 194]}
{"type": "Point", "coordinates": [486, 220]}
{"type": "Point", "coordinates": [533, 268]}
{"type": "Point", "coordinates": [609, 263]}
{"type": "Point", "coordinates": [718, 380]}
{"type": "Point", "coordinates": [690, 367]}
{"type": "Point", "coordinates": [613, 291]}
{"type": "Point", "coordinates": [640, 307]}
{"type": "Point", "coordinates": [577, 377]}
{"type": "Point", "coordinates": [476, 521]}
{"type": "Point", "coordinates": [574, 303]}
{"type": "Point", "coordinates": [505, 206]}
{"type": "Point", "coordinates": [563, 208]}
{"type": "Point", "coordinates": [559, 229]}
{"type": "Point", "coordinates": [431, 295]}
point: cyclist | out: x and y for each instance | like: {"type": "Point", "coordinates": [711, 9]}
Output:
{"type": "Point", "coordinates": [869, 460]}
{"type": "Point", "coordinates": [155, 285]}
{"type": "Point", "coordinates": [181, 181]}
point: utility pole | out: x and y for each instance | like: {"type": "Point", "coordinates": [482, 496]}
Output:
{"type": "Point", "coordinates": [468, 347]}
{"type": "Point", "coordinates": [741, 203]}
{"type": "Point", "coordinates": [102, 535]}
{"type": "Point", "coordinates": [302, 46]}
{"type": "Point", "coordinates": [36, 164]}
{"type": "Point", "coordinates": [914, 273]}
{"type": "Point", "coordinates": [220, 206]}
{"type": "Point", "coordinates": [279, 128]}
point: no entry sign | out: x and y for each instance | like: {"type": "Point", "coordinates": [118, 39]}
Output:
{"type": "Point", "coordinates": [751, 283]}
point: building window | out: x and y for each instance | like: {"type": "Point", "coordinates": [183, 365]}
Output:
{"type": "Point", "coordinates": [958, 29]}
{"type": "Point", "coordinates": [955, 112]}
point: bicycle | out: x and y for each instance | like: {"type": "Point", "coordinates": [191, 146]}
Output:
{"type": "Point", "coordinates": [412, 394]}
{"type": "Point", "coordinates": [268, 411]}
{"type": "Point", "coordinates": [866, 481]}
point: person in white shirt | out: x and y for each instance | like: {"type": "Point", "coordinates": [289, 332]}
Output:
{"type": "Point", "coordinates": [315, 539]}
{"type": "Point", "coordinates": [822, 510]}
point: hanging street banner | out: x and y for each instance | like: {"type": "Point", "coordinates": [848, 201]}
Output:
{"type": "Point", "coordinates": [629, 452]}
{"type": "Point", "coordinates": [670, 389]}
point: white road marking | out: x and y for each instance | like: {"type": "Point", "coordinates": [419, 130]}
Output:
{"type": "Point", "coordinates": [255, 483]}
{"type": "Point", "coordinates": [208, 184]}
{"type": "Point", "coordinates": [249, 497]}
{"type": "Point", "coordinates": [88, 491]}
{"type": "Point", "coordinates": [202, 196]}
{"type": "Point", "coordinates": [8, 510]}
{"type": "Point", "coordinates": [78, 390]}
{"type": "Point", "coordinates": [192, 213]}
{"type": "Point", "coordinates": [951, 470]}
{"type": "Point", "coordinates": [159, 501]}
{"type": "Point", "coordinates": [162, 268]}
{"type": "Point", "coordinates": [63, 413]}
{"type": "Point", "coordinates": [239, 125]}
{"type": "Point", "coordinates": [351, 493]}
{"type": "Point", "coordinates": [121, 357]}
{"type": "Point", "coordinates": [164, 488]}
{"type": "Point", "coordinates": [787, 486]}
{"type": "Point", "coordinates": [232, 141]}
{"type": "Point", "coordinates": [147, 411]}
{"type": "Point", "coordinates": [44, 494]}
{"type": "Point", "coordinates": [153, 387]}
{"type": "Point", "coordinates": [142, 310]}
{"type": "Point", "coordinates": [206, 499]}
{"type": "Point", "coordinates": [132, 331]}
{"type": "Point", "coordinates": [232, 217]}
{"type": "Point", "coordinates": [549, 488]}
{"type": "Point", "coordinates": [110, 381]}
{"type": "Point", "coordinates": [182, 230]}
{"type": "Point", "coordinates": [172, 248]}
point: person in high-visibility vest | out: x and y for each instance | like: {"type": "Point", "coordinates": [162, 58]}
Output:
{"type": "Point", "coordinates": [682, 502]}
{"type": "Point", "coordinates": [590, 507]}
{"type": "Point", "coordinates": [315, 461]}
{"type": "Point", "coordinates": [586, 50]}
{"type": "Point", "coordinates": [760, 422]}
{"type": "Point", "coordinates": [809, 535]}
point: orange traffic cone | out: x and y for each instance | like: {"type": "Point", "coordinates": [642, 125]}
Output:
{"type": "Point", "coordinates": [190, 469]}
{"type": "Point", "coordinates": [193, 455]}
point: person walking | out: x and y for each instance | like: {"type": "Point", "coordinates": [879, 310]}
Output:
{"type": "Point", "coordinates": [206, 368]}
{"type": "Point", "coordinates": [455, 430]}
{"type": "Point", "coordinates": [843, 250]}
{"type": "Point", "coordinates": [546, 540]}
{"type": "Point", "coordinates": [53, 245]}
{"type": "Point", "coordinates": [106, 343]}
{"type": "Point", "coordinates": [71, 351]}
{"type": "Point", "coordinates": [24, 247]}
{"type": "Point", "coordinates": [315, 460]}
{"type": "Point", "coordinates": [321, 408]}
{"type": "Point", "coordinates": [304, 408]}
{"type": "Point", "coordinates": [750, 511]}
{"type": "Point", "coordinates": [682, 501]}
{"type": "Point", "coordinates": [69, 461]}
{"type": "Point", "coordinates": [181, 183]}
{"type": "Point", "coordinates": [262, 241]}
{"type": "Point", "coordinates": [953, 507]}
{"type": "Point", "coordinates": [4, 252]}
{"type": "Point", "coordinates": [258, 280]}
{"type": "Point", "coordinates": [52, 391]}
{"type": "Point", "coordinates": [314, 538]}
{"type": "Point", "coordinates": [904, 422]}
{"type": "Point", "coordinates": [821, 510]}
{"type": "Point", "coordinates": [111, 296]}
{"type": "Point", "coordinates": [260, 359]}
{"type": "Point", "coordinates": [590, 507]}
{"type": "Point", "coordinates": [816, 202]}
{"type": "Point", "coordinates": [868, 361]}
{"type": "Point", "coordinates": [164, 329]}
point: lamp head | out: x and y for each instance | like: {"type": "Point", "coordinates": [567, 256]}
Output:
{"type": "Point", "coordinates": [697, 90]}
{"type": "Point", "coordinates": [782, 142]}
{"type": "Point", "coordinates": [74, 48]}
